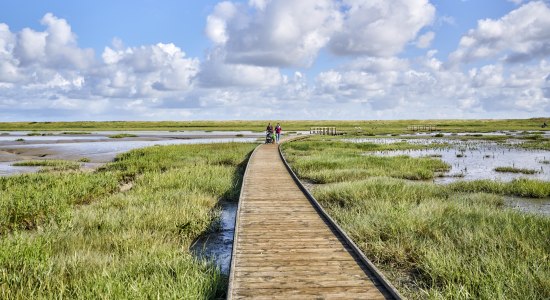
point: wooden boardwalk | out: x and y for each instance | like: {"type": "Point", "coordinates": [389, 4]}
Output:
{"type": "Point", "coordinates": [284, 249]}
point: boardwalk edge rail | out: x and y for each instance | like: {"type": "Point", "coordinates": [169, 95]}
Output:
{"type": "Point", "coordinates": [236, 230]}
{"type": "Point", "coordinates": [390, 288]}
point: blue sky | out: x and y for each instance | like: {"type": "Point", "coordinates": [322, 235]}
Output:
{"type": "Point", "coordinates": [273, 59]}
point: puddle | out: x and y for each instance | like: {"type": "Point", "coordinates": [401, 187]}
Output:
{"type": "Point", "coordinates": [217, 246]}
{"type": "Point", "coordinates": [7, 169]}
{"type": "Point", "coordinates": [529, 205]}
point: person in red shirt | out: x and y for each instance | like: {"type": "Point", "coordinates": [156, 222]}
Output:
{"type": "Point", "coordinates": [278, 131]}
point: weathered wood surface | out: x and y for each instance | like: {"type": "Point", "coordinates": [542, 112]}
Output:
{"type": "Point", "coordinates": [284, 249]}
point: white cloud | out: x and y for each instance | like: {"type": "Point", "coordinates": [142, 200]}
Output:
{"type": "Point", "coordinates": [47, 70]}
{"type": "Point", "coordinates": [425, 40]}
{"type": "Point", "coordinates": [521, 35]}
{"type": "Point", "coordinates": [380, 28]}
{"type": "Point", "coordinates": [150, 68]}
{"type": "Point", "coordinates": [216, 23]}
{"type": "Point", "coordinates": [273, 33]}
{"type": "Point", "coordinates": [216, 73]}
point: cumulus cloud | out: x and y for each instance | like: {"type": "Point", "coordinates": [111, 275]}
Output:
{"type": "Point", "coordinates": [146, 69]}
{"type": "Point", "coordinates": [422, 84]}
{"type": "Point", "coordinates": [216, 73]}
{"type": "Point", "coordinates": [425, 40]}
{"type": "Point", "coordinates": [51, 72]}
{"type": "Point", "coordinates": [380, 28]}
{"type": "Point", "coordinates": [273, 33]}
{"type": "Point", "coordinates": [521, 35]}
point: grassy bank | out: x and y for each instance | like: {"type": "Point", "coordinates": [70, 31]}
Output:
{"type": "Point", "coordinates": [122, 232]}
{"type": "Point", "coordinates": [351, 127]}
{"type": "Point", "coordinates": [433, 241]}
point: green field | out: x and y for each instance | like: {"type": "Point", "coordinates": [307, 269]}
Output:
{"type": "Point", "coordinates": [350, 127]}
{"type": "Point", "coordinates": [453, 241]}
{"type": "Point", "coordinates": [122, 232]}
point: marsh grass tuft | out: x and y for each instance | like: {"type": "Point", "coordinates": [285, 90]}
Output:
{"type": "Point", "coordinates": [122, 135]}
{"type": "Point", "coordinates": [515, 170]}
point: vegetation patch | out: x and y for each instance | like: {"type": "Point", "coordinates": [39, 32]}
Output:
{"type": "Point", "coordinates": [38, 134]}
{"type": "Point", "coordinates": [122, 135]}
{"type": "Point", "coordinates": [76, 132]}
{"type": "Point", "coordinates": [515, 170]}
{"type": "Point", "coordinates": [335, 161]}
{"type": "Point", "coordinates": [46, 163]}
{"type": "Point", "coordinates": [97, 242]}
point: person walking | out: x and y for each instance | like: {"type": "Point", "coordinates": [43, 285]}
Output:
{"type": "Point", "coordinates": [278, 131]}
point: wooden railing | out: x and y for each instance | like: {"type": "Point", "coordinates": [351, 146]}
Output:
{"type": "Point", "coordinates": [323, 130]}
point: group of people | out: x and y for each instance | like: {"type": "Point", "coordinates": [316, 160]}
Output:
{"type": "Point", "coordinates": [273, 134]}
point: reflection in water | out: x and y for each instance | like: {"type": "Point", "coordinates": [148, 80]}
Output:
{"type": "Point", "coordinates": [539, 206]}
{"type": "Point", "coordinates": [217, 246]}
{"type": "Point", "coordinates": [473, 160]}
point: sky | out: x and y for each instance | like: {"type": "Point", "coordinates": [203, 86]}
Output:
{"type": "Point", "coordinates": [273, 59]}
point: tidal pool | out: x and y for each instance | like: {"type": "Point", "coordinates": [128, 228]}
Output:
{"type": "Point", "coordinates": [218, 245]}
{"type": "Point", "coordinates": [473, 160]}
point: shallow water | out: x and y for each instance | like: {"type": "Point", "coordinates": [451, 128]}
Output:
{"type": "Point", "coordinates": [473, 160]}
{"type": "Point", "coordinates": [529, 205]}
{"type": "Point", "coordinates": [6, 169]}
{"type": "Point", "coordinates": [217, 246]}
{"type": "Point", "coordinates": [97, 152]}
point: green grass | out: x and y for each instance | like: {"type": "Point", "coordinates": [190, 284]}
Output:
{"type": "Point", "coordinates": [350, 127]}
{"type": "Point", "coordinates": [122, 135]}
{"type": "Point", "coordinates": [537, 145]}
{"type": "Point", "coordinates": [76, 235]}
{"type": "Point", "coordinates": [521, 187]}
{"type": "Point", "coordinates": [433, 241]}
{"type": "Point", "coordinates": [334, 161]}
{"type": "Point", "coordinates": [515, 170]}
{"type": "Point", "coordinates": [20, 140]}
{"type": "Point", "coordinates": [58, 165]}
{"type": "Point", "coordinates": [438, 244]}
{"type": "Point", "coordinates": [84, 160]}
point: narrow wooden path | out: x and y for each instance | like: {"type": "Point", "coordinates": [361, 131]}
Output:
{"type": "Point", "coordinates": [284, 249]}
